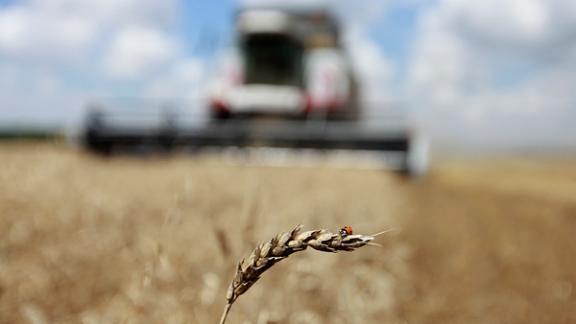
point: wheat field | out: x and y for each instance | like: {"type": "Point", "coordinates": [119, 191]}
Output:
{"type": "Point", "coordinates": [156, 240]}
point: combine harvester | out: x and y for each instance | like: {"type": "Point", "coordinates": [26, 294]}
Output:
{"type": "Point", "coordinates": [288, 84]}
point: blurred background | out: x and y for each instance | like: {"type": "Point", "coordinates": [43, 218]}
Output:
{"type": "Point", "coordinates": [480, 73]}
{"type": "Point", "coordinates": [486, 236]}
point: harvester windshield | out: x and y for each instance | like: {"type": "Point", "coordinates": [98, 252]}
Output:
{"type": "Point", "coordinates": [274, 59]}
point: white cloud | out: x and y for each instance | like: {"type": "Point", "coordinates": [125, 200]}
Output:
{"type": "Point", "coordinates": [184, 80]}
{"type": "Point", "coordinates": [513, 23]}
{"type": "Point", "coordinates": [29, 96]}
{"type": "Point", "coordinates": [54, 49]}
{"type": "Point", "coordinates": [48, 31]}
{"type": "Point", "coordinates": [373, 69]}
{"type": "Point", "coordinates": [441, 65]}
{"type": "Point", "coordinates": [28, 34]}
{"type": "Point", "coordinates": [525, 20]}
{"type": "Point", "coordinates": [135, 51]}
{"type": "Point", "coordinates": [464, 47]}
{"type": "Point", "coordinates": [113, 12]}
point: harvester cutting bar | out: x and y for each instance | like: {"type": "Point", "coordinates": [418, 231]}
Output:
{"type": "Point", "coordinates": [334, 135]}
{"type": "Point", "coordinates": [104, 134]}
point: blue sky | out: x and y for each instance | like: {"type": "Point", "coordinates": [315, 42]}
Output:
{"type": "Point", "coordinates": [479, 67]}
{"type": "Point", "coordinates": [213, 19]}
{"type": "Point", "coordinates": [393, 32]}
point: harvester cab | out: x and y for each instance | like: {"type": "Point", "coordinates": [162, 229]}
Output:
{"type": "Point", "coordinates": [288, 65]}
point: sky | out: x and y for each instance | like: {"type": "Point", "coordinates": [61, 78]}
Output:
{"type": "Point", "coordinates": [474, 71]}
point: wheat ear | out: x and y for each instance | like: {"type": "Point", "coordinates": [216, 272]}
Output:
{"type": "Point", "coordinates": [280, 247]}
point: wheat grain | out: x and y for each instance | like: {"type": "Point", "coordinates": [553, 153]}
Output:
{"type": "Point", "coordinates": [279, 248]}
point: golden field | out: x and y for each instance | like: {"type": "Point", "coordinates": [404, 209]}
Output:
{"type": "Point", "coordinates": [155, 240]}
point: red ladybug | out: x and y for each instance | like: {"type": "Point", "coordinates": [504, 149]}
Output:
{"type": "Point", "coordinates": [345, 231]}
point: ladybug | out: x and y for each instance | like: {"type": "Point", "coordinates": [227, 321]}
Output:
{"type": "Point", "coordinates": [345, 231]}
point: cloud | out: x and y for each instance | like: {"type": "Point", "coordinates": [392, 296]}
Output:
{"type": "Point", "coordinates": [183, 80]}
{"type": "Point", "coordinates": [57, 30]}
{"type": "Point", "coordinates": [86, 48]}
{"type": "Point", "coordinates": [526, 23]}
{"type": "Point", "coordinates": [27, 34]}
{"type": "Point", "coordinates": [496, 71]}
{"type": "Point", "coordinates": [29, 96]}
{"type": "Point", "coordinates": [112, 12]}
{"type": "Point", "coordinates": [135, 51]}
{"type": "Point", "coordinates": [373, 69]}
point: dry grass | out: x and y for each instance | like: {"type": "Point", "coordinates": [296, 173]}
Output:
{"type": "Point", "coordinates": [494, 245]}
{"type": "Point", "coordinates": [153, 241]}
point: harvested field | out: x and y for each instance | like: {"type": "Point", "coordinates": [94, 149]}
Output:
{"type": "Point", "coordinates": [156, 240]}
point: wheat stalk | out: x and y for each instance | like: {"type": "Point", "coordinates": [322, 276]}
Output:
{"type": "Point", "coordinates": [279, 248]}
